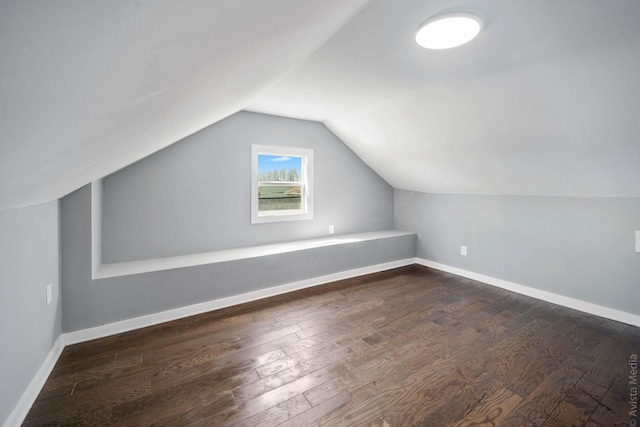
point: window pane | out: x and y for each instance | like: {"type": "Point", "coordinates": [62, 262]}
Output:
{"type": "Point", "coordinates": [282, 184]}
{"type": "Point", "coordinates": [279, 197]}
{"type": "Point", "coordinates": [279, 168]}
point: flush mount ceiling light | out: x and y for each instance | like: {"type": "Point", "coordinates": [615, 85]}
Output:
{"type": "Point", "coordinates": [448, 30]}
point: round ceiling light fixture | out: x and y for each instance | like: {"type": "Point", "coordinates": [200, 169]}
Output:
{"type": "Point", "coordinates": [448, 30]}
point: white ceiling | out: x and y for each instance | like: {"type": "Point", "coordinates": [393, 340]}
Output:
{"type": "Point", "coordinates": [544, 102]}
{"type": "Point", "coordinates": [88, 87]}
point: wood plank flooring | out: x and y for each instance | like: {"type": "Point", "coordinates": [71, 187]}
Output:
{"type": "Point", "coordinates": [407, 347]}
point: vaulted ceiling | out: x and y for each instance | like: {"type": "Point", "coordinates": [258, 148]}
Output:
{"type": "Point", "coordinates": [546, 101]}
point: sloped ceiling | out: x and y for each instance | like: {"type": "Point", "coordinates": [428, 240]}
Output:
{"type": "Point", "coordinates": [88, 87]}
{"type": "Point", "coordinates": [545, 101]}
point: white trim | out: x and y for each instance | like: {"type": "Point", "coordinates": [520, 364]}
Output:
{"type": "Point", "coordinates": [96, 227]}
{"type": "Point", "coordinates": [190, 260]}
{"type": "Point", "coordinates": [191, 310]}
{"type": "Point", "coordinates": [30, 395]}
{"type": "Point", "coordinates": [576, 304]}
{"type": "Point", "coordinates": [306, 212]}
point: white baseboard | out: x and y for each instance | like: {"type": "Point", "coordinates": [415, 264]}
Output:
{"type": "Point", "coordinates": [30, 395]}
{"type": "Point", "coordinates": [576, 304]}
{"type": "Point", "coordinates": [192, 310]}
{"type": "Point", "coordinates": [20, 412]}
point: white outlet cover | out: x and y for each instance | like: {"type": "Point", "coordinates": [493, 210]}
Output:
{"type": "Point", "coordinates": [463, 250]}
{"type": "Point", "coordinates": [637, 240]}
{"type": "Point", "coordinates": [49, 293]}
{"type": "Point", "coordinates": [331, 229]}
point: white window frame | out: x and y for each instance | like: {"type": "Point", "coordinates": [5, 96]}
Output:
{"type": "Point", "coordinates": [306, 181]}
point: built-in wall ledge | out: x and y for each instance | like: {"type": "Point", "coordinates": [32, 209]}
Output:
{"type": "Point", "coordinates": [104, 271]}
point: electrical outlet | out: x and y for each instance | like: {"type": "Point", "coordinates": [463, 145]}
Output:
{"type": "Point", "coordinates": [637, 240]}
{"type": "Point", "coordinates": [331, 229]}
{"type": "Point", "coordinates": [49, 293]}
{"type": "Point", "coordinates": [463, 250]}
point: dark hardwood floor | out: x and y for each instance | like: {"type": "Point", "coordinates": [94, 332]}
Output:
{"type": "Point", "coordinates": [407, 347]}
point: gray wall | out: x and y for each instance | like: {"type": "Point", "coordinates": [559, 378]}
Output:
{"type": "Point", "coordinates": [195, 195]}
{"type": "Point", "coordinates": [29, 248]}
{"type": "Point", "coordinates": [577, 247]}
{"type": "Point", "coordinates": [89, 303]}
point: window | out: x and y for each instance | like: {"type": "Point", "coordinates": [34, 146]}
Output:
{"type": "Point", "coordinates": [282, 184]}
